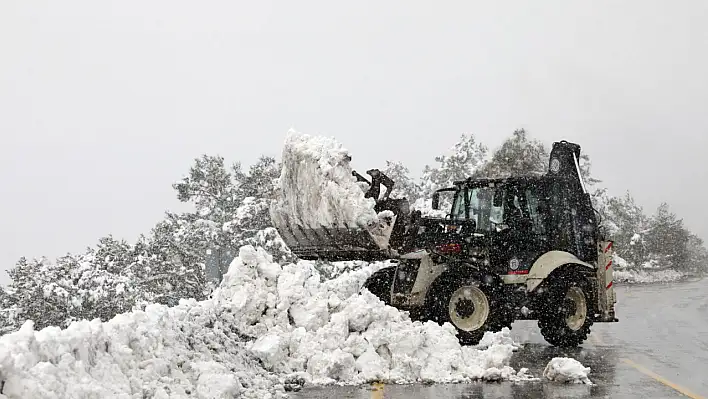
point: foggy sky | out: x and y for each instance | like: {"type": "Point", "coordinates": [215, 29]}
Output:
{"type": "Point", "coordinates": [104, 104]}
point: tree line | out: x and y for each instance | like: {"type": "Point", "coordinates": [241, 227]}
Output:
{"type": "Point", "coordinates": [230, 209]}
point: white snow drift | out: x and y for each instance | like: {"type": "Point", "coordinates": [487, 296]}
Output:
{"type": "Point", "coordinates": [567, 370]}
{"type": "Point", "coordinates": [300, 327]}
{"type": "Point", "coordinates": [327, 332]}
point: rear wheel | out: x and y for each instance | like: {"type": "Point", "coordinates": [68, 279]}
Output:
{"type": "Point", "coordinates": [380, 284]}
{"type": "Point", "coordinates": [566, 316]}
{"type": "Point", "coordinates": [472, 307]}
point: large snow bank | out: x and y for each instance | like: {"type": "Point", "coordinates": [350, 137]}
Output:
{"type": "Point", "coordinates": [326, 331]}
{"type": "Point", "coordinates": [316, 188]}
{"type": "Point", "coordinates": [186, 351]}
{"type": "Point", "coordinates": [567, 370]}
{"type": "Point", "coordinates": [265, 326]}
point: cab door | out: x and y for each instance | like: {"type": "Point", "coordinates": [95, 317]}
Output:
{"type": "Point", "coordinates": [572, 221]}
{"type": "Point", "coordinates": [526, 235]}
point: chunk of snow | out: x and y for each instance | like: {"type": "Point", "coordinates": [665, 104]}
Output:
{"type": "Point", "coordinates": [270, 349]}
{"type": "Point", "coordinates": [316, 188]}
{"type": "Point", "coordinates": [567, 370]}
{"type": "Point", "coordinates": [619, 262]}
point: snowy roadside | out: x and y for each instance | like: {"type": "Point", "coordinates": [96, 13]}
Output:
{"type": "Point", "coordinates": [643, 276]}
{"type": "Point", "coordinates": [648, 274]}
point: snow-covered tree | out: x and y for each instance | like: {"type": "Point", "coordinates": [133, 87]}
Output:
{"type": "Point", "coordinates": [627, 224]}
{"type": "Point", "coordinates": [462, 161]}
{"type": "Point", "coordinates": [519, 155]}
{"type": "Point", "coordinates": [42, 291]}
{"type": "Point", "coordinates": [95, 284]}
{"type": "Point", "coordinates": [8, 312]}
{"type": "Point", "coordinates": [404, 186]}
{"type": "Point", "coordinates": [667, 239]}
{"type": "Point", "coordinates": [210, 187]}
{"type": "Point", "coordinates": [171, 265]}
{"type": "Point", "coordinates": [697, 254]}
{"type": "Point", "coordinates": [260, 180]}
{"type": "Point", "coordinates": [230, 208]}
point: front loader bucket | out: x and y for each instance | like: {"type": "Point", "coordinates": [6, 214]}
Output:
{"type": "Point", "coordinates": [333, 243]}
{"type": "Point", "coordinates": [320, 210]}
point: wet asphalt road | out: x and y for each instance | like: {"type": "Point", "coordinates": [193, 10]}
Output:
{"type": "Point", "coordinates": [658, 349]}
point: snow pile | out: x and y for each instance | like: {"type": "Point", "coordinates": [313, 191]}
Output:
{"type": "Point", "coordinates": [646, 274]}
{"type": "Point", "coordinates": [187, 351]}
{"type": "Point", "coordinates": [567, 370]}
{"type": "Point", "coordinates": [316, 188]}
{"type": "Point", "coordinates": [641, 276]}
{"type": "Point", "coordinates": [265, 328]}
{"type": "Point", "coordinates": [326, 331]}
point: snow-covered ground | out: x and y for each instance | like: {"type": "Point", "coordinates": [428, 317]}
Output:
{"type": "Point", "coordinates": [567, 370]}
{"type": "Point", "coordinates": [647, 274]}
{"type": "Point", "coordinates": [264, 327]}
{"type": "Point", "coordinates": [643, 276]}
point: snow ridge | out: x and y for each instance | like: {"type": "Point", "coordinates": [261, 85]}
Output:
{"type": "Point", "coordinates": [264, 327]}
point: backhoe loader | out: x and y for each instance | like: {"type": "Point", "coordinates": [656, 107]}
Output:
{"type": "Point", "coordinates": [518, 248]}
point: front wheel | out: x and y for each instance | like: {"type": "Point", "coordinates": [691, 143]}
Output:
{"type": "Point", "coordinates": [567, 313]}
{"type": "Point", "coordinates": [472, 307]}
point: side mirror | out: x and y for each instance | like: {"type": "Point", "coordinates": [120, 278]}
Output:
{"type": "Point", "coordinates": [436, 201]}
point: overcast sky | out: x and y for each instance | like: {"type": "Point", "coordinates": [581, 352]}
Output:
{"type": "Point", "coordinates": [103, 104]}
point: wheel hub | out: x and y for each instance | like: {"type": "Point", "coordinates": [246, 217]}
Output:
{"type": "Point", "coordinates": [468, 308]}
{"type": "Point", "coordinates": [569, 307]}
{"type": "Point", "coordinates": [464, 308]}
{"type": "Point", "coordinates": [576, 308]}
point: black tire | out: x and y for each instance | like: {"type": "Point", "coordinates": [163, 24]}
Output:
{"type": "Point", "coordinates": [470, 326]}
{"type": "Point", "coordinates": [566, 312]}
{"type": "Point", "coordinates": [380, 283]}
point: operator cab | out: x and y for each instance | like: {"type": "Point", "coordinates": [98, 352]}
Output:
{"type": "Point", "coordinates": [512, 218]}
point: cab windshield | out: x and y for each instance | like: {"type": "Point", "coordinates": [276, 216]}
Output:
{"type": "Point", "coordinates": [477, 204]}
{"type": "Point", "coordinates": [502, 206]}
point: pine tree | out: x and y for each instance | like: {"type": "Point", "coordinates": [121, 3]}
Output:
{"type": "Point", "coordinates": [667, 239]}
{"type": "Point", "coordinates": [42, 291]}
{"type": "Point", "coordinates": [404, 184]}
{"type": "Point", "coordinates": [517, 156]}
{"type": "Point", "coordinates": [8, 312]}
{"type": "Point", "coordinates": [462, 161]}
{"type": "Point", "coordinates": [697, 254]}
{"type": "Point", "coordinates": [260, 180]}
{"type": "Point", "coordinates": [627, 225]}
{"type": "Point", "coordinates": [210, 187]}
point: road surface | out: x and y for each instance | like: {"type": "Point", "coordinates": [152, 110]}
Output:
{"type": "Point", "coordinates": [659, 349]}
